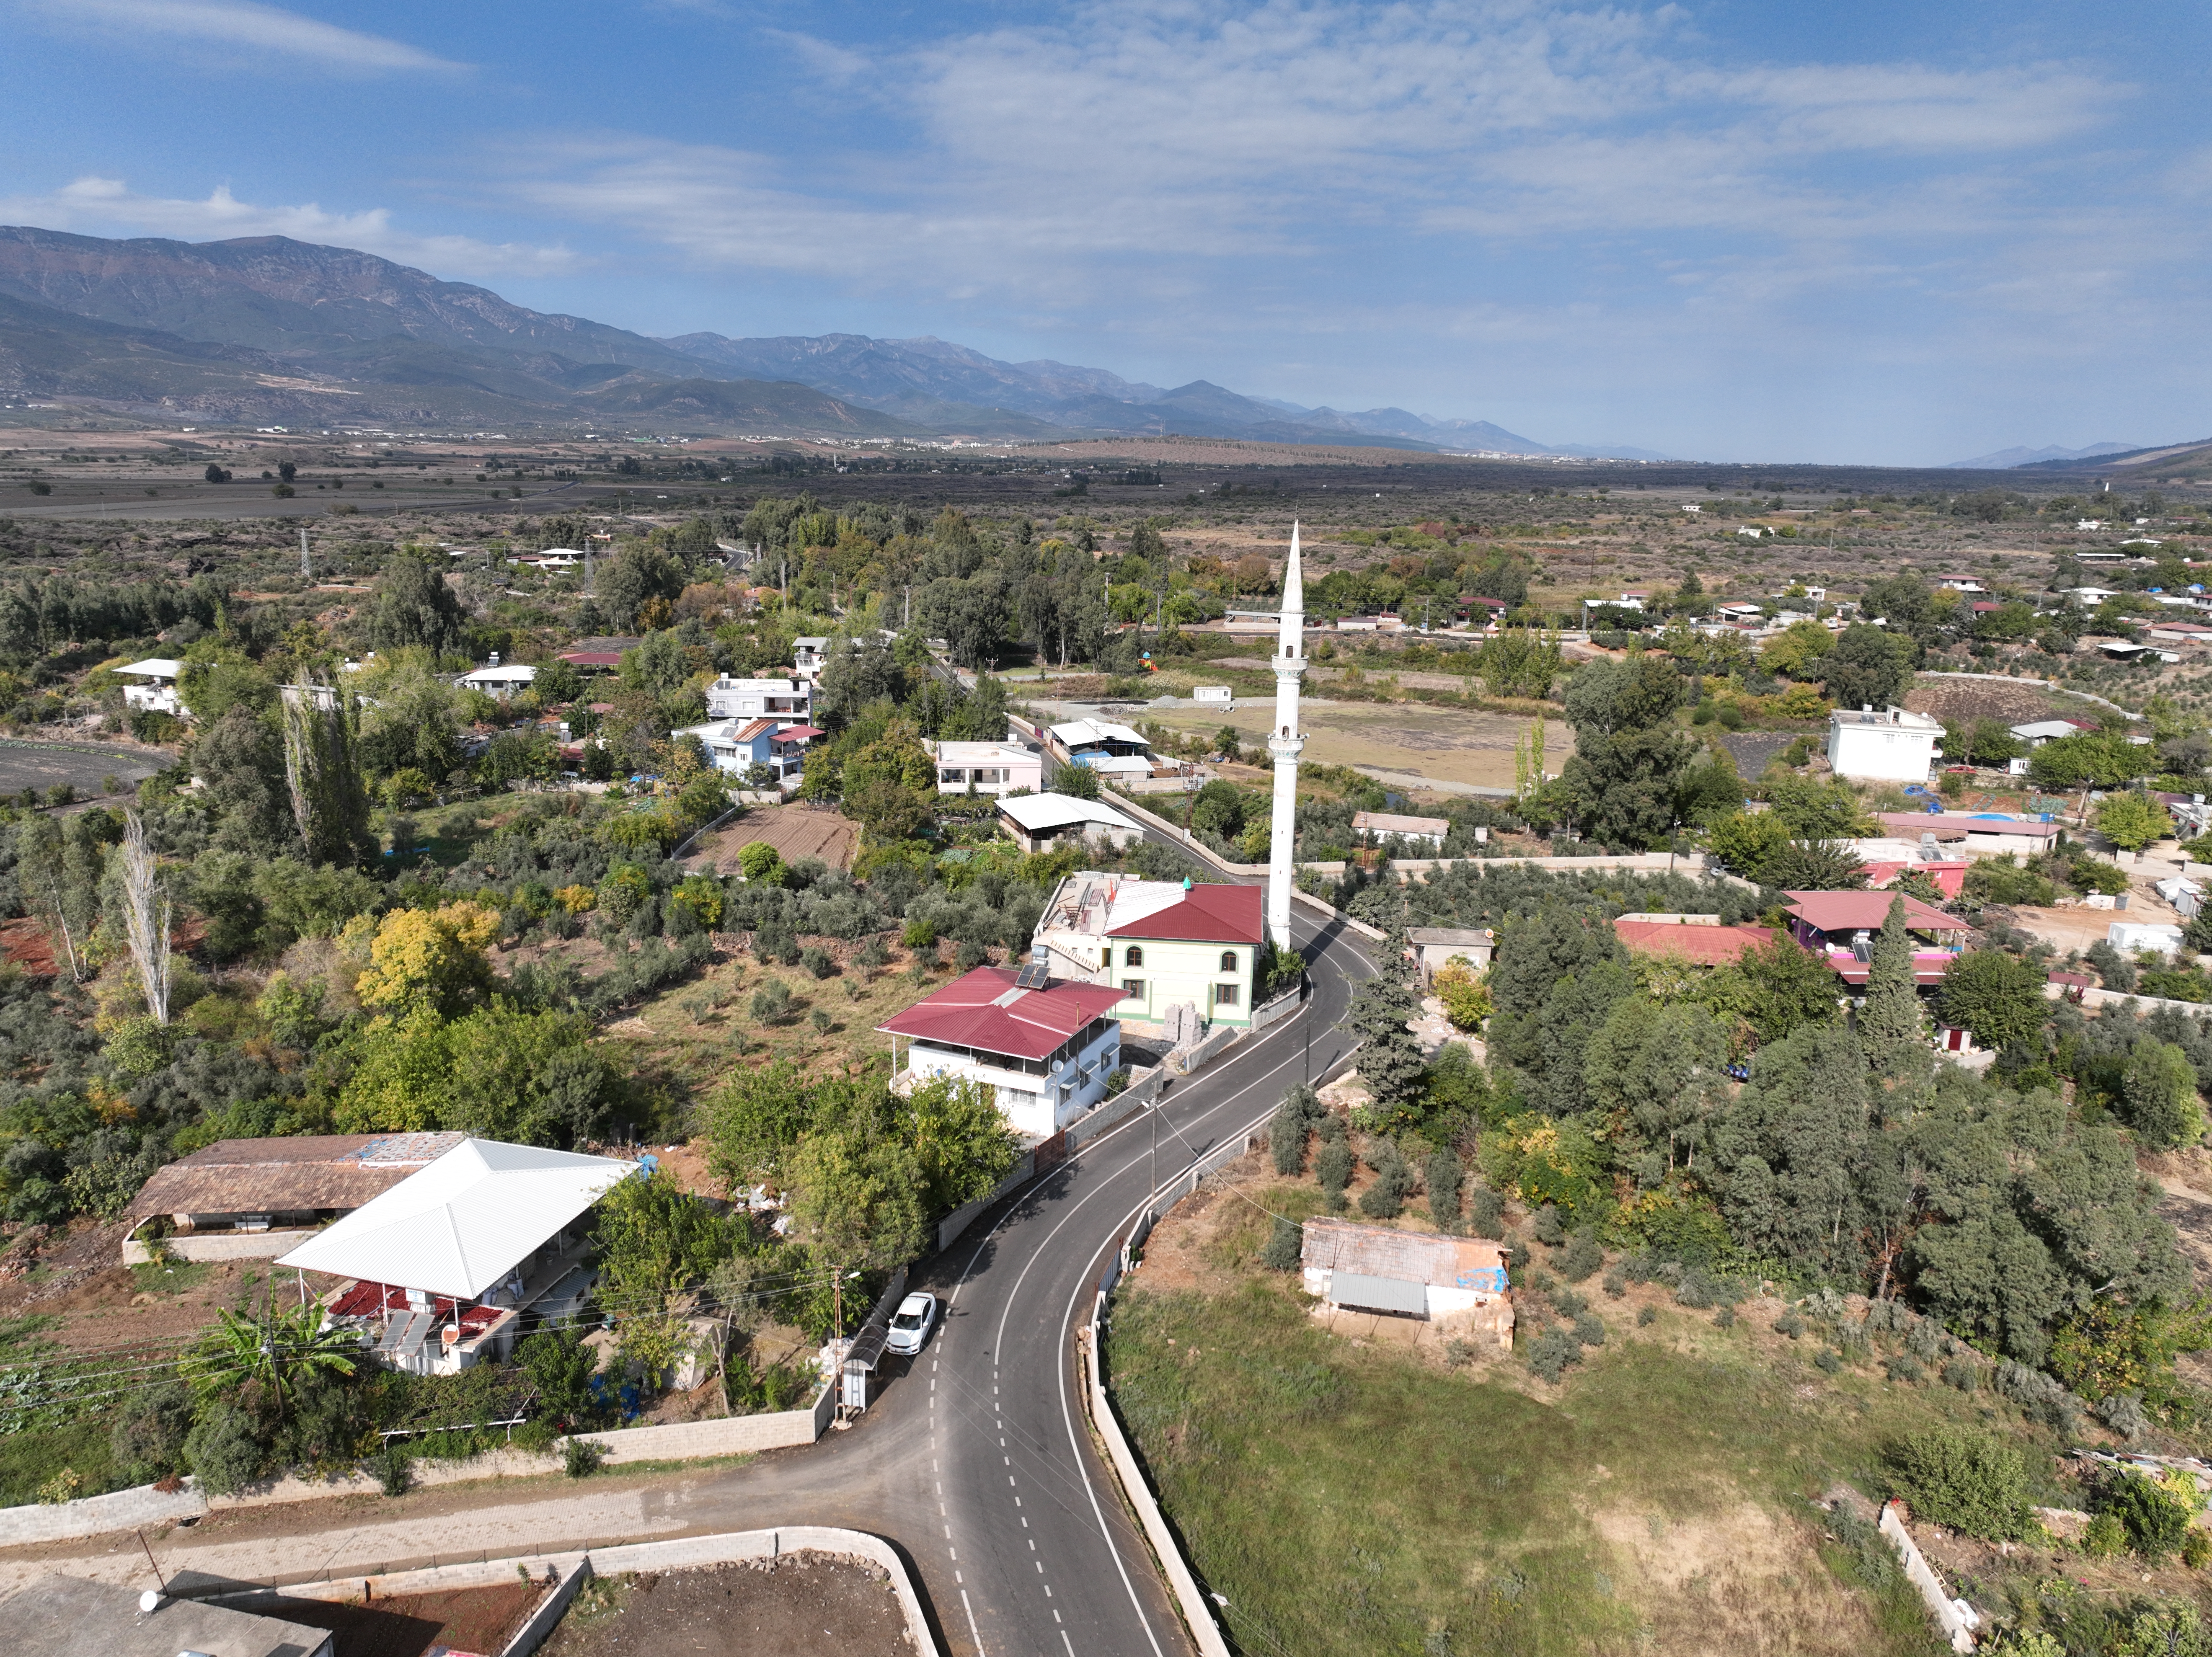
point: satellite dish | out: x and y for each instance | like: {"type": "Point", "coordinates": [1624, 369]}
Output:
{"type": "Point", "coordinates": [149, 1600]}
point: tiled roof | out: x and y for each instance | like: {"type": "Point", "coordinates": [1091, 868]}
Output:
{"type": "Point", "coordinates": [985, 1010]}
{"type": "Point", "coordinates": [1834, 911]}
{"type": "Point", "coordinates": [1705, 946]}
{"type": "Point", "coordinates": [273, 1175]}
{"type": "Point", "coordinates": [1207, 915]}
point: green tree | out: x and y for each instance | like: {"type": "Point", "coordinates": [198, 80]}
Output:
{"type": "Point", "coordinates": [2157, 1095]}
{"type": "Point", "coordinates": [961, 1139]}
{"type": "Point", "coordinates": [1891, 1024]}
{"type": "Point", "coordinates": [1870, 667]}
{"type": "Point", "coordinates": [1995, 996]}
{"type": "Point", "coordinates": [1658, 1071]}
{"type": "Point", "coordinates": [1969, 1481]}
{"type": "Point", "coordinates": [1622, 780]}
{"type": "Point", "coordinates": [322, 772]}
{"type": "Point", "coordinates": [654, 1241]}
{"type": "Point", "coordinates": [2132, 820]}
{"type": "Point", "coordinates": [1745, 841]}
{"type": "Point", "coordinates": [856, 1203]}
{"type": "Point", "coordinates": [1390, 1058]}
{"type": "Point", "coordinates": [277, 1351]}
{"type": "Point", "coordinates": [1785, 988]}
{"type": "Point", "coordinates": [1814, 866]}
{"type": "Point", "coordinates": [415, 608]}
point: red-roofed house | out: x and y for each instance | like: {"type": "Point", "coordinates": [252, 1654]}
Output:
{"type": "Point", "coordinates": [1045, 1052]}
{"type": "Point", "coordinates": [1699, 939]}
{"type": "Point", "coordinates": [1166, 944]}
{"type": "Point", "coordinates": [1840, 927]}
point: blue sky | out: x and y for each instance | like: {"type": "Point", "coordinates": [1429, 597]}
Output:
{"type": "Point", "coordinates": [1885, 231]}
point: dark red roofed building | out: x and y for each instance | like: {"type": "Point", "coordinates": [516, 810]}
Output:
{"type": "Point", "coordinates": [1840, 927]}
{"type": "Point", "coordinates": [1696, 939]}
{"type": "Point", "coordinates": [1043, 1047]}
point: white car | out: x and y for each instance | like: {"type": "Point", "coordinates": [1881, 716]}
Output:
{"type": "Point", "coordinates": [911, 1324]}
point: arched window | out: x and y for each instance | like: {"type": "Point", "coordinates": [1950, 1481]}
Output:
{"type": "Point", "coordinates": [1229, 961]}
{"type": "Point", "coordinates": [1136, 957]}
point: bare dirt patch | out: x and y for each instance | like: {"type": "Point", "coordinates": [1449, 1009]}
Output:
{"type": "Point", "coordinates": [804, 1605]}
{"type": "Point", "coordinates": [795, 831]}
{"type": "Point", "coordinates": [458, 1620]}
{"type": "Point", "coordinates": [1950, 699]}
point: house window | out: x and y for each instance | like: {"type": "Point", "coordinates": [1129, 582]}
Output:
{"type": "Point", "coordinates": [953, 773]}
{"type": "Point", "coordinates": [1225, 995]}
{"type": "Point", "coordinates": [1229, 961]}
{"type": "Point", "coordinates": [1136, 957]}
{"type": "Point", "coordinates": [1133, 989]}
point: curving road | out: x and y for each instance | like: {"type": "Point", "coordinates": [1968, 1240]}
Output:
{"type": "Point", "coordinates": [975, 1460]}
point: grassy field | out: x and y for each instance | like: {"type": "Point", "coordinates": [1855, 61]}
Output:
{"type": "Point", "coordinates": [1352, 1494]}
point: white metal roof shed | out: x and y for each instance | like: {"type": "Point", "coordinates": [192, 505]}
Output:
{"type": "Point", "coordinates": [458, 1226]}
{"type": "Point", "coordinates": [1036, 811]}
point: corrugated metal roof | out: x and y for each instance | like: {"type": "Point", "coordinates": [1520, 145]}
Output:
{"type": "Point", "coordinates": [1847, 911]}
{"type": "Point", "coordinates": [1421, 1257]}
{"type": "Point", "coordinates": [1705, 946]}
{"type": "Point", "coordinates": [460, 1225]}
{"type": "Point", "coordinates": [1378, 1294]}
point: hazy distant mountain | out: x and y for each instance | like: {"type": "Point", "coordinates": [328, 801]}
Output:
{"type": "Point", "coordinates": [911, 378]}
{"type": "Point", "coordinates": [266, 329]}
{"type": "Point", "coordinates": [2004, 459]}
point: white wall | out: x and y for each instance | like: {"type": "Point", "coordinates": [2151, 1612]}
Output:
{"type": "Point", "coordinates": [1881, 752]}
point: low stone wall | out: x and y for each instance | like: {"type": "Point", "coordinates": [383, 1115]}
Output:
{"type": "Point", "coordinates": [568, 1572]}
{"type": "Point", "coordinates": [2094, 997]}
{"type": "Point", "coordinates": [949, 1229]}
{"type": "Point", "coordinates": [96, 1516]}
{"type": "Point", "coordinates": [1955, 1616]}
{"type": "Point", "coordinates": [217, 1246]}
{"type": "Point", "coordinates": [693, 1440]}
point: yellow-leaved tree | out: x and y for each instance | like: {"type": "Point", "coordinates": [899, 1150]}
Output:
{"type": "Point", "coordinates": [431, 958]}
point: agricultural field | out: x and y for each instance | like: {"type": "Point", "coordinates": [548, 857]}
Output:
{"type": "Point", "coordinates": [1697, 1483]}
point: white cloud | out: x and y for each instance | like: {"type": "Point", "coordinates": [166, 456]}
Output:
{"type": "Point", "coordinates": [105, 206]}
{"type": "Point", "coordinates": [1121, 148]}
{"type": "Point", "coordinates": [242, 26]}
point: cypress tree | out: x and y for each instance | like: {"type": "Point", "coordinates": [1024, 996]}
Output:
{"type": "Point", "coordinates": [1443, 1177]}
{"type": "Point", "coordinates": [1890, 1022]}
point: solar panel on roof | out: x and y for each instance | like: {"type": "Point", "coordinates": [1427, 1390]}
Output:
{"type": "Point", "coordinates": [1035, 976]}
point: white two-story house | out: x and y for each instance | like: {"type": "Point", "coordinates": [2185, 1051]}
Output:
{"type": "Point", "coordinates": [1043, 1046]}
{"type": "Point", "coordinates": [737, 699]}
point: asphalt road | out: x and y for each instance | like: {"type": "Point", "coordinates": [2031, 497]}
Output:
{"type": "Point", "coordinates": [975, 1459]}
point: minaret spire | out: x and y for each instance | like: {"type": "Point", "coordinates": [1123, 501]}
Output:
{"type": "Point", "coordinates": [1284, 742]}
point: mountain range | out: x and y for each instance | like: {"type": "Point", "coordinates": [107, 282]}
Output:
{"type": "Point", "coordinates": [2005, 459]}
{"type": "Point", "coordinates": [265, 330]}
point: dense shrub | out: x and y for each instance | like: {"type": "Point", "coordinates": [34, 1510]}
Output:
{"type": "Point", "coordinates": [1968, 1481]}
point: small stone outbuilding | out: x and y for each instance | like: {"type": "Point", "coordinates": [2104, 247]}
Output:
{"type": "Point", "coordinates": [1458, 1284]}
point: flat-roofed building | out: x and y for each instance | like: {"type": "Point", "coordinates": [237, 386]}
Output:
{"type": "Point", "coordinates": [58, 1616]}
{"type": "Point", "coordinates": [1037, 822]}
{"type": "Point", "coordinates": [1456, 1283]}
{"type": "Point", "coordinates": [985, 767]}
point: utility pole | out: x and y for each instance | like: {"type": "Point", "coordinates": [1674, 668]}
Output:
{"type": "Point", "coordinates": [906, 615]}
{"type": "Point", "coordinates": [306, 573]}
